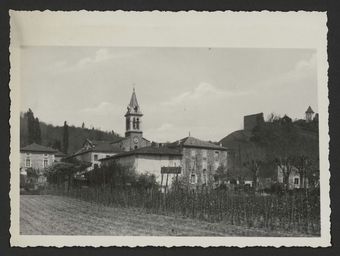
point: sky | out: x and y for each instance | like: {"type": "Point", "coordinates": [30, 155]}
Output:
{"type": "Point", "coordinates": [204, 91]}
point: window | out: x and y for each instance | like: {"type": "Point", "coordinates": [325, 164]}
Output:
{"type": "Point", "coordinates": [204, 154]}
{"type": "Point", "coordinates": [204, 164]}
{"type": "Point", "coordinates": [296, 181]}
{"type": "Point", "coordinates": [134, 123]}
{"type": "Point", "coordinates": [193, 178]}
{"type": "Point", "coordinates": [216, 156]}
{"type": "Point", "coordinates": [95, 157]}
{"type": "Point", "coordinates": [136, 147]}
{"type": "Point", "coordinates": [45, 163]}
{"type": "Point", "coordinates": [216, 165]}
{"type": "Point", "coordinates": [45, 155]}
{"type": "Point", "coordinates": [28, 162]}
{"type": "Point", "coordinates": [193, 153]}
{"type": "Point", "coordinates": [204, 176]}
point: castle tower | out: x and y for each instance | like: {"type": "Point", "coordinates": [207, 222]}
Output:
{"type": "Point", "coordinates": [133, 118]}
{"type": "Point", "coordinates": [309, 114]}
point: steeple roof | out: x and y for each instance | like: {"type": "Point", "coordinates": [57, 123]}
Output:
{"type": "Point", "coordinates": [133, 101]}
{"type": "Point", "coordinates": [133, 107]}
{"type": "Point", "coordinates": [309, 110]}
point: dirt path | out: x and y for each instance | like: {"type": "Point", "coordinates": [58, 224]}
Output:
{"type": "Point", "coordinates": [54, 215]}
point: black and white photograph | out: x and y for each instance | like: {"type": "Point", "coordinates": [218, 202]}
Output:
{"type": "Point", "coordinates": [153, 133]}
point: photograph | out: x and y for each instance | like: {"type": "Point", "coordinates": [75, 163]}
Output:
{"type": "Point", "coordinates": [171, 141]}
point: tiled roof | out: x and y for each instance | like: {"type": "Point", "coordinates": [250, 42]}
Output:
{"type": "Point", "coordinates": [148, 151]}
{"type": "Point", "coordinates": [309, 110]}
{"type": "Point", "coordinates": [34, 147]}
{"type": "Point", "coordinates": [194, 142]}
{"type": "Point", "coordinates": [106, 147]}
{"type": "Point", "coordinates": [100, 146]}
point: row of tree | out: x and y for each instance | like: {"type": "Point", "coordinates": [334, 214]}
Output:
{"type": "Point", "coordinates": [65, 138]}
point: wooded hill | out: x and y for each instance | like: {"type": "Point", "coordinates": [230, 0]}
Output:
{"type": "Point", "coordinates": [33, 130]}
{"type": "Point", "coordinates": [278, 141]}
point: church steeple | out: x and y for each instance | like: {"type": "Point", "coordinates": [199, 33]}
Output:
{"type": "Point", "coordinates": [133, 117]}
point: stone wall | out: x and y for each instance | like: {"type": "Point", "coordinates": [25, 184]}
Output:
{"type": "Point", "coordinates": [128, 144]}
{"type": "Point", "coordinates": [251, 121]}
{"type": "Point", "coordinates": [202, 163]}
{"type": "Point", "coordinates": [36, 160]}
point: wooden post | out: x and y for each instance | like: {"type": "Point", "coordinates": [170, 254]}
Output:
{"type": "Point", "coordinates": [162, 182]}
{"type": "Point", "coordinates": [166, 184]}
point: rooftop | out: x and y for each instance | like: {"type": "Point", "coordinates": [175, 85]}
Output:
{"type": "Point", "coordinates": [194, 142]}
{"type": "Point", "coordinates": [34, 147]}
{"type": "Point", "coordinates": [309, 110]}
{"type": "Point", "coordinates": [158, 151]}
{"type": "Point", "coordinates": [100, 146]}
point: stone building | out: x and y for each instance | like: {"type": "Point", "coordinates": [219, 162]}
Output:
{"type": "Point", "coordinates": [37, 157]}
{"type": "Point", "coordinates": [309, 114]}
{"type": "Point", "coordinates": [251, 121]}
{"type": "Point", "coordinates": [93, 151]}
{"type": "Point", "coordinates": [133, 127]}
{"type": "Point", "coordinates": [200, 159]}
{"type": "Point", "coordinates": [195, 159]}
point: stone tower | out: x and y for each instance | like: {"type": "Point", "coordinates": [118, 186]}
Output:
{"type": "Point", "coordinates": [309, 114]}
{"type": "Point", "coordinates": [133, 118]}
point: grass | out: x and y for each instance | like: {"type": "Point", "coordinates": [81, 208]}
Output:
{"type": "Point", "coordinates": [56, 215]}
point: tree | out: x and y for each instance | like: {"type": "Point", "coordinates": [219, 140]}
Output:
{"type": "Point", "coordinates": [286, 144]}
{"type": "Point", "coordinates": [33, 128]}
{"type": "Point", "coordinates": [83, 125]}
{"type": "Point", "coordinates": [253, 158]}
{"type": "Point", "coordinates": [30, 126]}
{"type": "Point", "coordinates": [65, 138]}
{"type": "Point", "coordinates": [37, 131]}
{"type": "Point", "coordinates": [56, 144]}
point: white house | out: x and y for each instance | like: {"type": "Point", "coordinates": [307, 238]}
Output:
{"type": "Point", "coordinates": [149, 160]}
{"type": "Point", "coordinates": [294, 179]}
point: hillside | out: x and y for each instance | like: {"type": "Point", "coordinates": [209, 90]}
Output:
{"type": "Point", "coordinates": [269, 141]}
{"type": "Point", "coordinates": [52, 136]}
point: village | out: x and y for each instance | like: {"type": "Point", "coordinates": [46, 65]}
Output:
{"type": "Point", "coordinates": [200, 163]}
{"type": "Point", "coordinates": [261, 177]}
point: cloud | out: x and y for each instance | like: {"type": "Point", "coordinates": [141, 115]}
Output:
{"type": "Point", "coordinates": [305, 65]}
{"type": "Point", "coordinates": [100, 56]}
{"type": "Point", "coordinates": [203, 91]}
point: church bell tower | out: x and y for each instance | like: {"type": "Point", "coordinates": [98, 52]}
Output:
{"type": "Point", "coordinates": [133, 118]}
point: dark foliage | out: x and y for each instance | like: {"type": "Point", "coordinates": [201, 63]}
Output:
{"type": "Point", "coordinates": [65, 138]}
{"type": "Point", "coordinates": [52, 136]}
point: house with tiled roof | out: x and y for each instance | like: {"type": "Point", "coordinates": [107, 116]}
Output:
{"type": "Point", "coordinates": [94, 150]}
{"type": "Point", "coordinates": [150, 160]}
{"type": "Point", "coordinates": [36, 156]}
{"type": "Point", "coordinates": [200, 159]}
